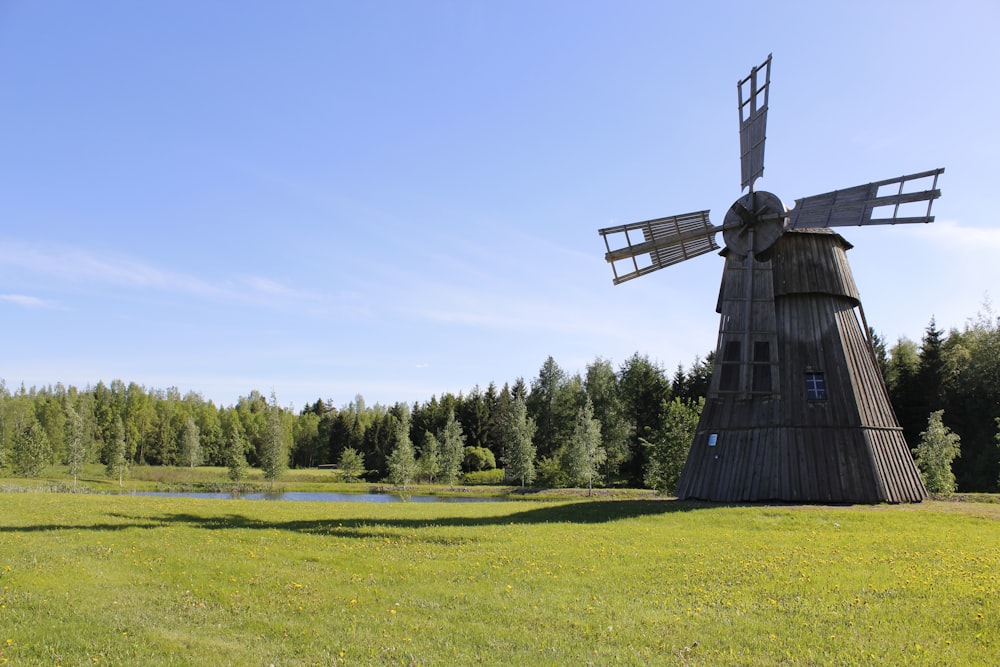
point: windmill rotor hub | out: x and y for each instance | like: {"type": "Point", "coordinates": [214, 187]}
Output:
{"type": "Point", "coordinates": [753, 223]}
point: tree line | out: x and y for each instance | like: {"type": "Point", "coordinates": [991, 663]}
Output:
{"type": "Point", "coordinates": [956, 376]}
{"type": "Point", "coordinates": [628, 425]}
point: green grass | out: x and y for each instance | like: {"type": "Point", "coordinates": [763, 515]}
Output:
{"type": "Point", "coordinates": [125, 580]}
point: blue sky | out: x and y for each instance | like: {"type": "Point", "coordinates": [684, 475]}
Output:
{"type": "Point", "coordinates": [400, 199]}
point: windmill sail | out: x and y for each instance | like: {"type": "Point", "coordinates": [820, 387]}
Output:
{"type": "Point", "coordinates": [878, 203]}
{"type": "Point", "coordinates": [654, 244]}
{"type": "Point", "coordinates": [753, 122]}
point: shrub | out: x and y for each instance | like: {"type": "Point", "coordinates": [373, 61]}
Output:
{"type": "Point", "coordinates": [479, 458]}
{"type": "Point", "coordinates": [494, 477]}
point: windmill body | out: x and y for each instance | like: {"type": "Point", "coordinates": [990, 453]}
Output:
{"type": "Point", "coordinates": [797, 409]}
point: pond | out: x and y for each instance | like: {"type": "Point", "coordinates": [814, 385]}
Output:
{"type": "Point", "coordinates": [320, 497]}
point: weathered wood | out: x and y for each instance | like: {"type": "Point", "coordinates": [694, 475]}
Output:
{"type": "Point", "coordinates": [780, 444]}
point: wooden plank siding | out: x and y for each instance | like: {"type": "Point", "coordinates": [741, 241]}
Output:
{"type": "Point", "coordinates": [782, 445]}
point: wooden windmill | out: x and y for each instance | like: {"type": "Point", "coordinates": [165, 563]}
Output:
{"type": "Point", "coordinates": [797, 409]}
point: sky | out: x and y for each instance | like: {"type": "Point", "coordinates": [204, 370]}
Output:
{"type": "Point", "coordinates": [401, 199]}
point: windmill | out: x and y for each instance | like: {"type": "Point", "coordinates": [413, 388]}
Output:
{"type": "Point", "coordinates": [797, 409]}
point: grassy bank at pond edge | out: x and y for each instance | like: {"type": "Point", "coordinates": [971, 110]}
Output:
{"type": "Point", "coordinates": [103, 579]}
{"type": "Point", "coordinates": [93, 479]}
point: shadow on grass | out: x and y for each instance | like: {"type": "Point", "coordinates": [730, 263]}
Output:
{"type": "Point", "coordinates": [572, 513]}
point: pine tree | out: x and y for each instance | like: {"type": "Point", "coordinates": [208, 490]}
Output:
{"type": "Point", "coordinates": [643, 388]}
{"type": "Point", "coordinates": [930, 375]}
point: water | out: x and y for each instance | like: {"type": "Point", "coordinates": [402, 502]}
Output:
{"type": "Point", "coordinates": [319, 497]}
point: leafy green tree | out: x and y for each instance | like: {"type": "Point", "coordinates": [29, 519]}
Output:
{"type": "Point", "coordinates": [938, 447]}
{"type": "Point", "coordinates": [211, 435]}
{"type": "Point", "coordinates": [31, 450]}
{"type": "Point", "coordinates": [236, 452]}
{"type": "Point", "coordinates": [972, 399]}
{"type": "Point", "coordinates": [430, 457]}
{"type": "Point", "coordinates": [190, 443]}
{"type": "Point", "coordinates": [161, 447]}
{"type": "Point", "coordinates": [452, 440]}
{"type": "Point", "coordinates": [52, 419]}
{"type": "Point", "coordinates": [16, 411]}
{"type": "Point", "coordinates": [4, 402]}
{"type": "Point", "coordinates": [517, 431]}
{"type": "Point", "coordinates": [585, 453]}
{"type": "Point", "coordinates": [76, 445]}
{"type": "Point", "coordinates": [601, 385]}
{"type": "Point", "coordinates": [402, 463]}
{"type": "Point", "coordinates": [305, 436]}
{"type": "Point", "coordinates": [550, 472]}
{"type": "Point", "coordinates": [139, 420]}
{"type": "Point", "coordinates": [255, 414]}
{"type": "Point", "coordinates": [274, 449]}
{"type": "Point", "coordinates": [351, 464]}
{"type": "Point", "coordinates": [478, 458]}
{"type": "Point", "coordinates": [668, 449]}
{"type": "Point", "coordinates": [116, 460]}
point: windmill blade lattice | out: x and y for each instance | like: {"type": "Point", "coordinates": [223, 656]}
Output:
{"type": "Point", "coordinates": [858, 205]}
{"type": "Point", "coordinates": [753, 122]}
{"type": "Point", "coordinates": [665, 241]}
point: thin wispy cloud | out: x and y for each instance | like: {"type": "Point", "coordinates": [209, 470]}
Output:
{"type": "Point", "coordinates": [77, 265]}
{"type": "Point", "coordinates": [27, 301]}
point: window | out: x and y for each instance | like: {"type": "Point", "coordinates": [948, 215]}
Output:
{"type": "Point", "coordinates": [730, 378]}
{"type": "Point", "coordinates": [761, 382]}
{"type": "Point", "coordinates": [815, 387]}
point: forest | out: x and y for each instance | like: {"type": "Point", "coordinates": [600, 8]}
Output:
{"type": "Point", "coordinates": [626, 425]}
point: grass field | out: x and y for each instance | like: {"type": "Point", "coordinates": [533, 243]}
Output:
{"type": "Point", "coordinates": [126, 580]}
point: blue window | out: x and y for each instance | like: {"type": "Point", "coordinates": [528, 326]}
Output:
{"type": "Point", "coordinates": [815, 387]}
